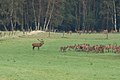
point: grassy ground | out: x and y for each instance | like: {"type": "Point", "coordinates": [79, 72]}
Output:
{"type": "Point", "coordinates": [19, 62]}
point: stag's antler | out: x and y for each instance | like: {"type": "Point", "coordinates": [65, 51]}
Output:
{"type": "Point", "coordinates": [40, 40]}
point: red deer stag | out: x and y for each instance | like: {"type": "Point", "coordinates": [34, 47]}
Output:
{"type": "Point", "coordinates": [38, 44]}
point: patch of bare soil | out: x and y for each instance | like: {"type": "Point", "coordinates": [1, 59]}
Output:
{"type": "Point", "coordinates": [35, 32]}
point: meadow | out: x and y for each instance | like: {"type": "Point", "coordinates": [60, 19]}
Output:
{"type": "Point", "coordinates": [19, 62]}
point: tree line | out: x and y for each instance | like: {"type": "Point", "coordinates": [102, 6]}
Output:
{"type": "Point", "coordinates": [61, 15]}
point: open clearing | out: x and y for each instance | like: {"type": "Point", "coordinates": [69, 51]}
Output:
{"type": "Point", "coordinates": [19, 62]}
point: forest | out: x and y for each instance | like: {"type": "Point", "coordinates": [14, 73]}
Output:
{"type": "Point", "coordinates": [60, 15]}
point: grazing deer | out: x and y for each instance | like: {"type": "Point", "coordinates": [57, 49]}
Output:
{"type": "Point", "coordinates": [78, 47]}
{"type": "Point", "coordinates": [117, 49]}
{"type": "Point", "coordinates": [99, 48]}
{"type": "Point", "coordinates": [38, 44]}
{"type": "Point", "coordinates": [71, 47]}
{"type": "Point", "coordinates": [63, 49]}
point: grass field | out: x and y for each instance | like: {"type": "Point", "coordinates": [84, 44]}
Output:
{"type": "Point", "coordinates": [19, 62]}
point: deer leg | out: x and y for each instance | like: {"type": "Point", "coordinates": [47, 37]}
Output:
{"type": "Point", "coordinates": [33, 47]}
{"type": "Point", "coordinates": [38, 48]}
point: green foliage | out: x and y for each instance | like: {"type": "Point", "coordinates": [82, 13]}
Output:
{"type": "Point", "coordinates": [74, 13]}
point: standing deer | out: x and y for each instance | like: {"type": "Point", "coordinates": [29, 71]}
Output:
{"type": "Point", "coordinates": [38, 44]}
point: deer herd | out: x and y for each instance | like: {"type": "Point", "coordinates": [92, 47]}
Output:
{"type": "Point", "coordinates": [92, 48]}
{"type": "Point", "coordinates": [85, 47]}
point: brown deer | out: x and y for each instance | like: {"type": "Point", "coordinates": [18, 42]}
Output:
{"type": "Point", "coordinates": [63, 49]}
{"type": "Point", "coordinates": [38, 44]}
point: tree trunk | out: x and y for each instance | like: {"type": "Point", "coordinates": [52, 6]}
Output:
{"type": "Point", "coordinates": [11, 18]}
{"type": "Point", "coordinates": [50, 15]}
{"type": "Point", "coordinates": [34, 14]}
{"type": "Point", "coordinates": [79, 16]}
{"type": "Point", "coordinates": [84, 14]}
{"type": "Point", "coordinates": [39, 15]}
{"type": "Point", "coordinates": [76, 15]}
{"type": "Point", "coordinates": [22, 26]}
{"type": "Point", "coordinates": [107, 20]}
{"type": "Point", "coordinates": [4, 26]}
{"type": "Point", "coordinates": [107, 17]}
{"type": "Point", "coordinates": [114, 15]}
{"type": "Point", "coordinates": [45, 22]}
{"type": "Point", "coordinates": [11, 21]}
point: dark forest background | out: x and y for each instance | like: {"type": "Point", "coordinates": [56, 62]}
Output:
{"type": "Point", "coordinates": [61, 15]}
